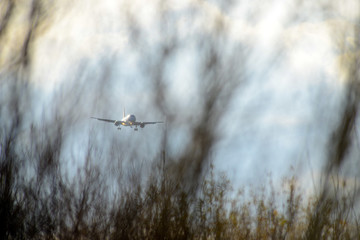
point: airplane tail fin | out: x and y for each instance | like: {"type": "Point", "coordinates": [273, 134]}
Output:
{"type": "Point", "coordinates": [123, 112]}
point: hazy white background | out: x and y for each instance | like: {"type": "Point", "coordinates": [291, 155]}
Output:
{"type": "Point", "coordinates": [279, 120]}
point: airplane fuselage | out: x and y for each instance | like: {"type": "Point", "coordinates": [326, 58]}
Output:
{"type": "Point", "coordinates": [128, 120]}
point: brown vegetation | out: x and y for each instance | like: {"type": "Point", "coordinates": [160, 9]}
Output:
{"type": "Point", "coordinates": [182, 197]}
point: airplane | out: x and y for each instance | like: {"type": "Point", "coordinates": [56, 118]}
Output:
{"type": "Point", "coordinates": [129, 120]}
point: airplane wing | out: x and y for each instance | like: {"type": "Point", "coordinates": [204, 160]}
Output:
{"type": "Point", "coordinates": [144, 123]}
{"type": "Point", "coordinates": [105, 120]}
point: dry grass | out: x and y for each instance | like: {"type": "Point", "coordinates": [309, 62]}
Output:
{"type": "Point", "coordinates": [182, 199]}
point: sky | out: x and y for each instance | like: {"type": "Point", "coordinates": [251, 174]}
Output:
{"type": "Point", "coordinates": [278, 122]}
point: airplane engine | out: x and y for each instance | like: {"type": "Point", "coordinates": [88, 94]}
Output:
{"type": "Point", "coordinates": [142, 125]}
{"type": "Point", "coordinates": [117, 123]}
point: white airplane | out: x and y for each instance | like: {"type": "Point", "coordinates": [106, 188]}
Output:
{"type": "Point", "coordinates": [129, 120]}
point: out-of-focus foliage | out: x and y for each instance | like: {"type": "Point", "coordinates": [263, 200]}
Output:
{"type": "Point", "coordinates": [50, 205]}
{"type": "Point", "coordinates": [179, 196]}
